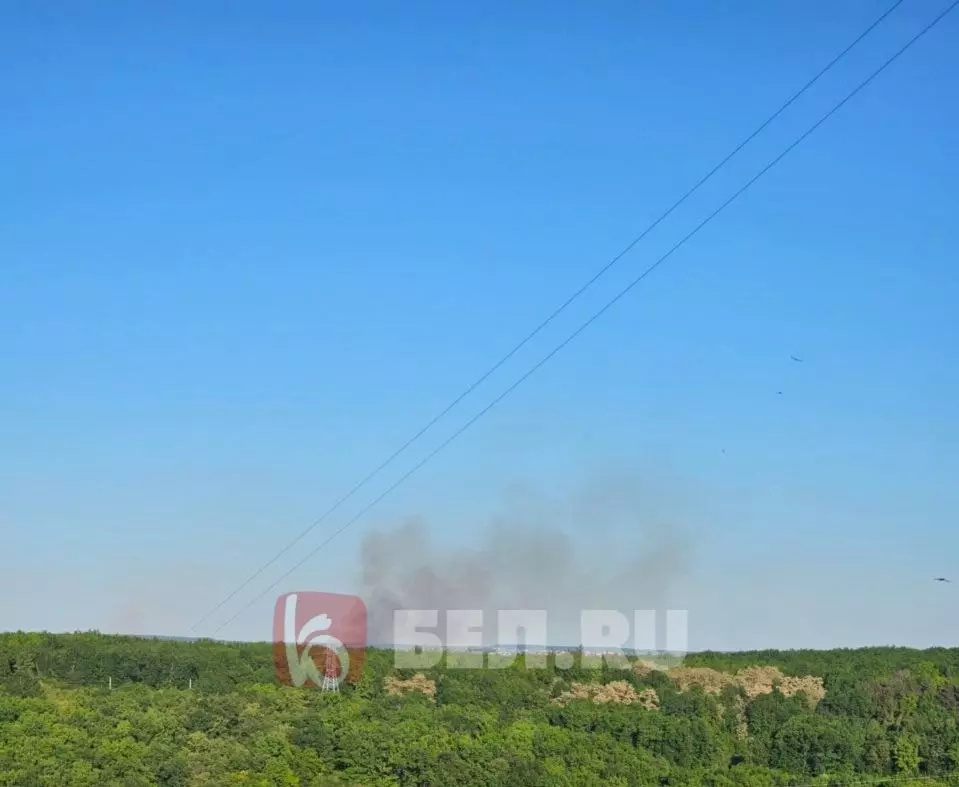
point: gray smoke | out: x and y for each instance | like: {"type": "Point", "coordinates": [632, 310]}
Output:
{"type": "Point", "coordinates": [606, 546]}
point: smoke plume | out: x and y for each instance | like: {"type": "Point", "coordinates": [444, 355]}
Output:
{"type": "Point", "coordinates": [604, 547]}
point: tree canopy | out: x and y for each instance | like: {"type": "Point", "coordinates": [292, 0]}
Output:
{"type": "Point", "coordinates": [86, 709]}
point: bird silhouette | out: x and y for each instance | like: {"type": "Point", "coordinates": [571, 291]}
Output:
{"type": "Point", "coordinates": [941, 579]}
{"type": "Point", "coordinates": [797, 360]}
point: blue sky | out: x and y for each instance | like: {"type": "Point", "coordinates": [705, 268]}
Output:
{"type": "Point", "coordinates": [246, 253]}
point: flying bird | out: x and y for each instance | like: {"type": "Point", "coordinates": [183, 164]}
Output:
{"type": "Point", "coordinates": [797, 360]}
{"type": "Point", "coordinates": [941, 579]}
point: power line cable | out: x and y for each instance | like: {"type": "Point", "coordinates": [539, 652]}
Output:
{"type": "Point", "coordinates": [607, 306]}
{"type": "Point", "coordinates": [480, 380]}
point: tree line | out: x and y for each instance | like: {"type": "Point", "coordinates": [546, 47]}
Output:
{"type": "Point", "coordinates": [210, 713]}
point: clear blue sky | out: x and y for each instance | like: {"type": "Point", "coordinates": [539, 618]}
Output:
{"type": "Point", "coordinates": [247, 251]}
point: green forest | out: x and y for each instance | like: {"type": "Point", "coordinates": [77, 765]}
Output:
{"type": "Point", "coordinates": [86, 709]}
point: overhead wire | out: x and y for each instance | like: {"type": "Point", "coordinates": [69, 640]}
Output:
{"type": "Point", "coordinates": [548, 320]}
{"type": "Point", "coordinates": [622, 293]}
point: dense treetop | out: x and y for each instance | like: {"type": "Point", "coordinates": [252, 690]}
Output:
{"type": "Point", "coordinates": [89, 709]}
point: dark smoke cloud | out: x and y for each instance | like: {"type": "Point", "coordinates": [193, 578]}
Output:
{"type": "Point", "coordinates": [605, 546]}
